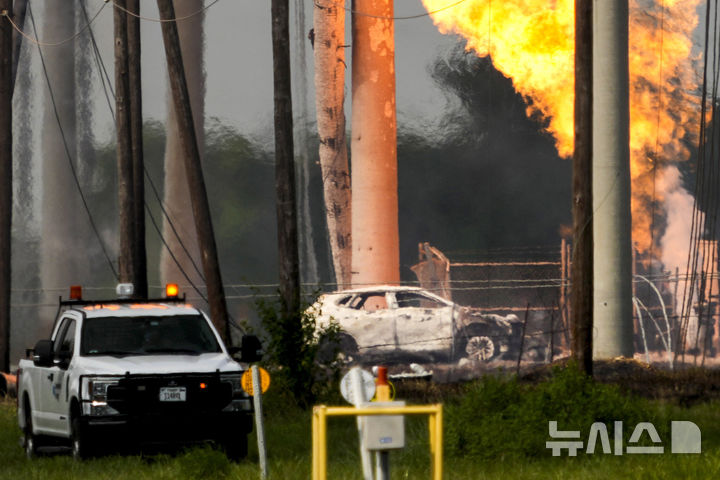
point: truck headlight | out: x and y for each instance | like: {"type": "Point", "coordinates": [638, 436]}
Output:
{"type": "Point", "coordinates": [240, 399]}
{"type": "Point", "coordinates": [95, 396]}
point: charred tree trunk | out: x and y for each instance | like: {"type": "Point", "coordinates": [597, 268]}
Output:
{"type": "Point", "coordinates": [139, 254]}
{"type": "Point", "coordinates": [582, 258]}
{"type": "Point", "coordinates": [6, 168]}
{"type": "Point", "coordinates": [288, 256]}
{"type": "Point", "coordinates": [329, 46]}
{"type": "Point", "coordinates": [179, 228]}
{"type": "Point", "coordinates": [375, 236]}
{"type": "Point", "coordinates": [193, 171]}
{"type": "Point", "coordinates": [124, 152]}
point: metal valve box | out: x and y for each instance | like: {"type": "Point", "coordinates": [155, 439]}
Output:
{"type": "Point", "coordinates": [383, 432]}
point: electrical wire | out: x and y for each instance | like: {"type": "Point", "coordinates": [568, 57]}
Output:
{"type": "Point", "coordinates": [702, 196]}
{"type": "Point", "coordinates": [231, 320]}
{"type": "Point", "coordinates": [163, 20]}
{"type": "Point", "coordinates": [101, 66]}
{"type": "Point", "coordinates": [35, 40]}
{"type": "Point", "coordinates": [107, 85]}
{"type": "Point", "coordinates": [67, 150]}
{"type": "Point", "coordinates": [382, 17]}
{"type": "Point", "coordinates": [657, 129]}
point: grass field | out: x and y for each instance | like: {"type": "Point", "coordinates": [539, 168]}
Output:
{"type": "Point", "coordinates": [289, 444]}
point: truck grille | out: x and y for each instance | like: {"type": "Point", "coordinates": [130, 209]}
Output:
{"type": "Point", "coordinates": [141, 395]}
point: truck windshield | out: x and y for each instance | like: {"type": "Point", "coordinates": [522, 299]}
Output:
{"type": "Point", "coordinates": [123, 336]}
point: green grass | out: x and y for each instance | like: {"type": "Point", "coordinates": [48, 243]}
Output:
{"type": "Point", "coordinates": [289, 443]}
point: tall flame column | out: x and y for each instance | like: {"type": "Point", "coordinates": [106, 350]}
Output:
{"type": "Point", "coordinates": [375, 237]}
{"type": "Point", "coordinates": [612, 304]}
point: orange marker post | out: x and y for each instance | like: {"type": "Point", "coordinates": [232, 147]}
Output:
{"type": "Point", "coordinates": [382, 387]}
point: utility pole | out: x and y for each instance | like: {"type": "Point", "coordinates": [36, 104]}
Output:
{"type": "Point", "coordinates": [139, 255]}
{"type": "Point", "coordinates": [6, 168]}
{"type": "Point", "coordinates": [193, 168]}
{"type": "Point", "coordinates": [124, 153]}
{"type": "Point", "coordinates": [612, 297]}
{"type": "Point", "coordinates": [288, 256]}
{"type": "Point", "coordinates": [374, 224]}
{"type": "Point", "coordinates": [581, 299]}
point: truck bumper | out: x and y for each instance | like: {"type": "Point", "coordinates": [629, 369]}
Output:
{"type": "Point", "coordinates": [137, 430]}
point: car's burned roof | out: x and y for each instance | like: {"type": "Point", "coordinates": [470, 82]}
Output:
{"type": "Point", "coordinates": [379, 288]}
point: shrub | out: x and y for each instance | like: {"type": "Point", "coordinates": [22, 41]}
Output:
{"type": "Point", "coordinates": [500, 417]}
{"type": "Point", "coordinates": [292, 344]}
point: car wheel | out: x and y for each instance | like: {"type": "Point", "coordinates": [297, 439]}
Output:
{"type": "Point", "coordinates": [80, 442]}
{"type": "Point", "coordinates": [470, 343]}
{"type": "Point", "coordinates": [30, 441]}
{"type": "Point", "coordinates": [480, 347]}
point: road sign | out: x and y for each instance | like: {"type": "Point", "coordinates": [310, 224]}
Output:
{"type": "Point", "coordinates": [247, 383]}
{"type": "Point", "coordinates": [367, 386]}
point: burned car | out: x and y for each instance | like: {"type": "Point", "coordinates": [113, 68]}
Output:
{"type": "Point", "coordinates": [392, 323]}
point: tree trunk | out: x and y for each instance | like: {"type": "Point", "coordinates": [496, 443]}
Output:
{"type": "Point", "coordinates": [139, 254]}
{"type": "Point", "coordinates": [582, 258]}
{"type": "Point", "coordinates": [193, 171]}
{"type": "Point", "coordinates": [126, 229]}
{"type": "Point", "coordinates": [6, 167]}
{"type": "Point", "coordinates": [288, 256]}
{"type": "Point", "coordinates": [176, 195]}
{"type": "Point", "coordinates": [375, 237]}
{"type": "Point", "coordinates": [329, 46]}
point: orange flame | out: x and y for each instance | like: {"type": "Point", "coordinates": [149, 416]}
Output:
{"type": "Point", "coordinates": [532, 42]}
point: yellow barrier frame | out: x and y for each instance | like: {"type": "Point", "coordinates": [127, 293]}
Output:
{"type": "Point", "coordinates": [319, 432]}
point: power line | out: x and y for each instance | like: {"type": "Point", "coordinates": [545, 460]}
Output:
{"type": "Point", "coordinates": [35, 40]}
{"type": "Point", "coordinates": [67, 150]}
{"type": "Point", "coordinates": [101, 65]}
{"type": "Point", "coordinates": [164, 20]}
{"type": "Point", "coordinates": [154, 189]}
{"type": "Point", "coordinates": [382, 17]}
{"type": "Point", "coordinates": [108, 85]}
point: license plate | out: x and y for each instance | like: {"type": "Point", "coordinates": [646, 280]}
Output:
{"type": "Point", "coordinates": [172, 394]}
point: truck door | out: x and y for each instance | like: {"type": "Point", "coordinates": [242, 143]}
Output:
{"type": "Point", "coordinates": [56, 387]}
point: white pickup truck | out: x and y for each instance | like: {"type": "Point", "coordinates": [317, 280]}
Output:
{"type": "Point", "coordinates": [124, 373]}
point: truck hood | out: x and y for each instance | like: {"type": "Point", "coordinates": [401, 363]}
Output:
{"type": "Point", "coordinates": [156, 364]}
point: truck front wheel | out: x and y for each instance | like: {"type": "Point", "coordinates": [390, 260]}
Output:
{"type": "Point", "coordinates": [80, 443]}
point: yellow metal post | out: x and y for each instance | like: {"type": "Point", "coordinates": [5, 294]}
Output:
{"type": "Point", "coordinates": [315, 444]}
{"type": "Point", "coordinates": [438, 453]}
{"type": "Point", "coordinates": [319, 427]}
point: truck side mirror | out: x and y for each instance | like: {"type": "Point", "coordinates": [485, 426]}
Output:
{"type": "Point", "coordinates": [250, 349]}
{"type": "Point", "coordinates": [43, 353]}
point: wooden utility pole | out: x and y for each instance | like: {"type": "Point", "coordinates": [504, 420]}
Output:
{"type": "Point", "coordinates": [6, 168]}
{"type": "Point", "coordinates": [124, 153]}
{"type": "Point", "coordinates": [581, 299]}
{"type": "Point", "coordinates": [288, 256]}
{"type": "Point", "coordinates": [193, 168]}
{"type": "Point", "coordinates": [139, 255]}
